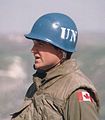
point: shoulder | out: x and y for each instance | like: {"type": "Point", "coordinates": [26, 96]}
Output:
{"type": "Point", "coordinates": [83, 98]}
{"type": "Point", "coordinates": [81, 106]}
{"type": "Point", "coordinates": [82, 95]}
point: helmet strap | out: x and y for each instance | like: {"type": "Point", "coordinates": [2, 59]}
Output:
{"type": "Point", "coordinates": [64, 55]}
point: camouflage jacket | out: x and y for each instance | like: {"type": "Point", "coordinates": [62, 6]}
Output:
{"type": "Point", "coordinates": [62, 93]}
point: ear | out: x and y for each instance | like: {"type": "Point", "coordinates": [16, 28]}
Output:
{"type": "Point", "coordinates": [60, 53]}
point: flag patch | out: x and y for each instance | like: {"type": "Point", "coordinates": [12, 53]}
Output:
{"type": "Point", "coordinates": [84, 96]}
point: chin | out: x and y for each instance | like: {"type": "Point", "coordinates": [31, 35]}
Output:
{"type": "Point", "coordinates": [38, 66]}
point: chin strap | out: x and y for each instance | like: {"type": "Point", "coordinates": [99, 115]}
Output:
{"type": "Point", "coordinates": [64, 55]}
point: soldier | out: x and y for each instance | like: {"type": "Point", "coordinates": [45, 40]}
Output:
{"type": "Point", "coordinates": [60, 91]}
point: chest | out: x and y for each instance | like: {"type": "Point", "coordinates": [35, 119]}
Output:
{"type": "Point", "coordinates": [47, 107]}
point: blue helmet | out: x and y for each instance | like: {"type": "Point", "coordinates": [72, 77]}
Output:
{"type": "Point", "coordinates": [57, 29]}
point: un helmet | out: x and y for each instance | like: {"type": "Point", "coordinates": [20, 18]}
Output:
{"type": "Point", "coordinates": [57, 29]}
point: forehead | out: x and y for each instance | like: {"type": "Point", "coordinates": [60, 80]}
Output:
{"type": "Point", "coordinates": [42, 43]}
{"type": "Point", "coordinates": [39, 41]}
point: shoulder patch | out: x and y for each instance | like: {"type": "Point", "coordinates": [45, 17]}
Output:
{"type": "Point", "coordinates": [84, 96]}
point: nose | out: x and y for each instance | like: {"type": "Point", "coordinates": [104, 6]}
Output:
{"type": "Point", "coordinates": [33, 49]}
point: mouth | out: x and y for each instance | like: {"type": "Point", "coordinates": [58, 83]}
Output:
{"type": "Point", "coordinates": [37, 58]}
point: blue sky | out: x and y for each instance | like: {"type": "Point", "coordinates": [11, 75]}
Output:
{"type": "Point", "coordinates": [19, 15]}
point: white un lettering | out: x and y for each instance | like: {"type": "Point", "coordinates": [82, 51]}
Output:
{"type": "Point", "coordinates": [67, 33]}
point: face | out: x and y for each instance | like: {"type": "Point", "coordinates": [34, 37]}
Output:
{"type": "Point", "coordinates": [46, 55]}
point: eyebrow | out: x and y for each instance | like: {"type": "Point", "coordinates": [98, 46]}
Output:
{"type": "Point", "coordinates": [40, 41]}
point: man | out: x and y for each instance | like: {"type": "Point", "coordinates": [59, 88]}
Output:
{"type": "Point", "coordinates": [60, 91]}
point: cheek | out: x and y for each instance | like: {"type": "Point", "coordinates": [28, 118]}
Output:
{"type": "Point", "coordinates": [46, 57]}
{"type": "Point", "coordinates": [50, 58]}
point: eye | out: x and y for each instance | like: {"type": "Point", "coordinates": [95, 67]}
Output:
{"type": "Point", "coordinates": [41, 44]}
{"type": "Point", "coordinates": [38, 44]}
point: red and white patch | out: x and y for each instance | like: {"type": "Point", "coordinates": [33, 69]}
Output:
{"type": "Point", "coordinates": [84, 96]}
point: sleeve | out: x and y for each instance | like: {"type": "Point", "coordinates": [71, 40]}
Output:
{"type": "Point", "coordinates": [25, 112]}
{"type": "Point", "coordinates": [81, 106]}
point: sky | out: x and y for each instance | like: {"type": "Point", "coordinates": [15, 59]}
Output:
{"type": "Point", "coordinates": [20, 15]}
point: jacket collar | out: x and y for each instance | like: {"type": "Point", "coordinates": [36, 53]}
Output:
{"type": "Point", "coordinates": [42, 78]}
{"type": "Point", "coordinates": [66, 67]}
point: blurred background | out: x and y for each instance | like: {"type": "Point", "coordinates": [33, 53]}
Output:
{"type": "Point", "coordinates": [16, 19]}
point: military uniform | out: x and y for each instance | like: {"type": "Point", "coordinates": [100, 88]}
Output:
{"type": "Point", "coordinates": [62, 93]}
